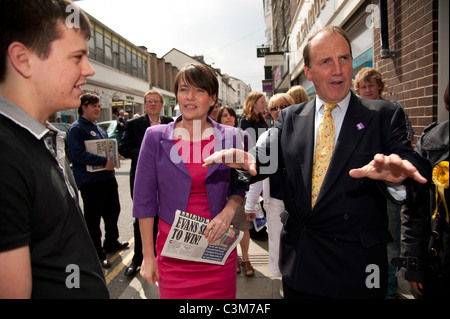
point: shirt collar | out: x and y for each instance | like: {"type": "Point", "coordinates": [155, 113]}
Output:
{"type": "Point", "coordinates": [22, 118]}
{"type": "Point", "coordinates": [153, 123]}
{"type": "Point", "coordinates": [86, 121]}
{"type": "Point", "coordinates": [343, 105]}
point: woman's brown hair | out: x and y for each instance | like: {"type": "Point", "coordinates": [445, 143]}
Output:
{"type": "Point", "coordinates": [199, 75]}
{"type": "Point", "coordinates": [249, 103]}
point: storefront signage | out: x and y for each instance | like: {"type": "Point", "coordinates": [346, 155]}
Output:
{"type": "Point", "coordinates": [308, 22]}
{"type": "Point", "coordinates": [363, 58]}
{"type": "Point", "coordinates": [262, 51]}
{"type": "Point", "coordinates": [274, 59]}
{"type": "Point", "coordinates": [267, 85]}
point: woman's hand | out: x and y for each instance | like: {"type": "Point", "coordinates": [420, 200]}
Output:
{"type": "Point", "coordinates": [149, 270]}
{"type": "Point", "coordinates": [149, 267]}
{"type": "Point", "coordinates": [416, 286]}
{"type": "Point", "coordinates": [219, 225]}
{"type": "Point", "coordinates": [250, 215]}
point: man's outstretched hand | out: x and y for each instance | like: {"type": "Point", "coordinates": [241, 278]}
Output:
{"type": "Point", "coordinates": [234, 158]}
{"type": "Point", "coordinates": [391, 169]}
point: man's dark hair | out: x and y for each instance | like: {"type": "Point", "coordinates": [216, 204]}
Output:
{"type": "Point", "coordinates": [36, 24]}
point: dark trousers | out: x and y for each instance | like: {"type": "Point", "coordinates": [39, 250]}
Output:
{"type": "Point", "coordinates": [290, 293]}
{"type": "Point", "coordinates": [138, 256]}
{"type": "Point", "coordinates": [101, 200]}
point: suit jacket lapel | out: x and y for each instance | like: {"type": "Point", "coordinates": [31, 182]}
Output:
{"type": "Point", "coordinates": [304, 125]}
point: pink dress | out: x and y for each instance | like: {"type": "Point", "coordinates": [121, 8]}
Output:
{"type": "Point", "coordinates": [181, 279]}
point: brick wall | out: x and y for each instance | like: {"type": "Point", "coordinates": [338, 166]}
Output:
{"type": "Point", "coordinates": [411, 75]}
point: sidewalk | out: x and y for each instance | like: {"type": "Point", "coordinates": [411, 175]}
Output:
{"type": "Point", "coordinates": [260, 286]}
{"type": "Point", "coordinates": [263, 285]}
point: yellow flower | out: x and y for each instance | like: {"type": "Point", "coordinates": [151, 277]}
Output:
{"type": "Point", "coordinates": [440, 179]}
{"type": "Point", "coordinates": [440, 174]}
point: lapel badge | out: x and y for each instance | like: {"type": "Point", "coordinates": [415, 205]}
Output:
{"type": "Point", "coordinates": [359, 126]}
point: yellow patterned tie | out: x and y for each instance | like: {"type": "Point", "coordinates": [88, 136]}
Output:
{"type": "Point", "coordinates": [323, 152]}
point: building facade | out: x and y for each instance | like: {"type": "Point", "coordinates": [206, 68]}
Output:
{"type": "Point", "coordinates": [414, 66]}
{"type": "Point", "coordinates": [124, 72]}
{"type": "Point", "coordinates": [232, 91]}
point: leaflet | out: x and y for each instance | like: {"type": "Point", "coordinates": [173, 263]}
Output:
{"type": "Point", "coordinates": [186, 240]}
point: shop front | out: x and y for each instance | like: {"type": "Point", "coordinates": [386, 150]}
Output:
{"type": "Point", "coordinates": [352, 16]}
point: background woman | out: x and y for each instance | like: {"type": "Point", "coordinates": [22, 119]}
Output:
{"type": "Point", "coordinates": [170, 176]}
{"type": "Point", "coordinates": [298, 94]}
{"type": "Point", "coordinates": [227, 116]}
{"type": "Point", "coordinates": [271, 190]}
{"type": "Point", "coordinates": [253, 115]}
{"type": "Point", "coordinates": [253, 122]}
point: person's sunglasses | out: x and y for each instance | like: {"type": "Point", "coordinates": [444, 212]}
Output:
{"type": "Point", "coordinates": [276, 108]}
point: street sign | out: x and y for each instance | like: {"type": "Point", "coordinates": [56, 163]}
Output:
{"type": "Point", "coordinates": [274, 59]}
{"type": "Point", "coordinates": [261, 51]}
{"type": "Point", "coordinates": [267, 85]}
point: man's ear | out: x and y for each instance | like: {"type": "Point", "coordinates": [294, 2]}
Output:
{"type": "Point", "coordinates": [19, 56]}
{"type": "Point", "coordinates": [307, 72]}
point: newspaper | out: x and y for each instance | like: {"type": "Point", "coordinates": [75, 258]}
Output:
{"type": "Point", "coordinates": [186, 240]}
{"type": "Point", "coordinates": [103, 147]}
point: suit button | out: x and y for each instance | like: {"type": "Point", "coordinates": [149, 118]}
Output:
{"type": "Point", "coordinates": [346, 216]}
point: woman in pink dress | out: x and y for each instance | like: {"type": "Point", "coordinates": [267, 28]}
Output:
{"type": "Point", "coordinates": [170, 176]}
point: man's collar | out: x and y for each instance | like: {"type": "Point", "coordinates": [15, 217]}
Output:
{"type": "Point", "coordinates": [86, 121]}
{"type": "Point", "coordinates": [22, 118]}
{"type": "Point", "coordinates": [343, 105]}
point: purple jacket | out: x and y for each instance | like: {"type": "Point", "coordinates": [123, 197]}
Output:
{"type": "Point", "coordinates": [163, 182]}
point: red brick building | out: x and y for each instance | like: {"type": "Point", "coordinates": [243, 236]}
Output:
{"type": "Point", "coordinates": [412, 74]}
{"type": "Point", "coordinates": [414, 68]}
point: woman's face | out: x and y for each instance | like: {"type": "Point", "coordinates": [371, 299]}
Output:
{"type": "Point", "coordinates": [260, 105]}
{"type": "Point", "coordinates": [91, 112]}
{"type": "Point", "coordinates": [277, 107]}
{"type": "Point", "coordinates": [227, 118]}
{"type": "Point", "coordinates": [194, 102]}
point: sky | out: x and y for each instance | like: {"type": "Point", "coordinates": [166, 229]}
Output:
{"type": "Point", "coordinates": [225, 32]}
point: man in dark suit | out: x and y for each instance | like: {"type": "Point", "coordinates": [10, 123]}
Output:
{"type": "Point", "coordinates": [336, 246]}
{"type": "Point", "coordinates": [129, 147]}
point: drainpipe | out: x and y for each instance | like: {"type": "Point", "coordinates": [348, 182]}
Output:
{"type": "Point", "coordinates": [385, 52]}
